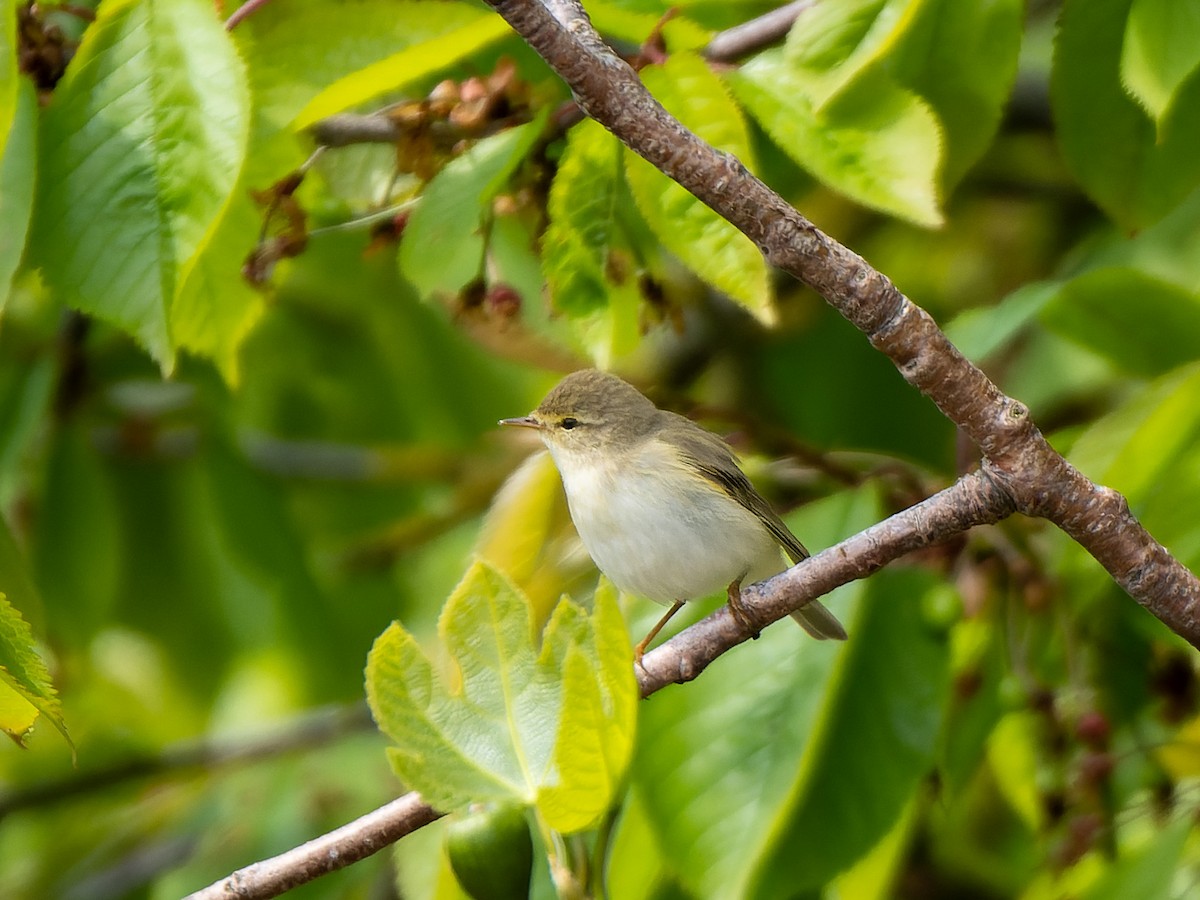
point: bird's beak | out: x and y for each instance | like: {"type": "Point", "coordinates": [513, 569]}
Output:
{"type": "Point", "coordinates": [523, 421]}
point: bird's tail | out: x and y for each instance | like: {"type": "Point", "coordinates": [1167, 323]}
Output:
{"type": "Point", "coordinates": [818, 621]}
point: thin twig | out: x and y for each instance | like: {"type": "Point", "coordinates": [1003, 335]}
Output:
{"type": "Point", "coordinates": [760, 32]}
{"type": "Point", "coordinates": [244, 11]}
{"type": "Point", "coordinates": [328, 853]}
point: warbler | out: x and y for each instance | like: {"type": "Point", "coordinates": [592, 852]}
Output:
{"type": "Point", "coordinates": [661, 504]}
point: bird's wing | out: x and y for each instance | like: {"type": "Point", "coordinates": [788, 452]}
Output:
{"type": "Point", "coordinates": [698, 445]}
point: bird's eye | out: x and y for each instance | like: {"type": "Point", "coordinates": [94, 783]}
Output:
{"type": "Point", "coordinates": [569, 422]}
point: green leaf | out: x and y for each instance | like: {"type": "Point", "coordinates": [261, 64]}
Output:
{"type": "Point", "coordinates": [407, 66]}
{"type": "Point", "coordinates": [706, 243]}
{"type": "Point", "coordinates": [216, 308]}
{"type": "Point", "coordinates": [879, 144]}
{"type": "Point", "coordinates": [595, 734]}
{"type": "Point", "coordinates": [1149, 873]}
{"type": "Point", "coordinates": [1143, 324]}
{"type": "Point", "coordinates": [1135, 172]}
{"type": "Point", "coordinates": [583, 232]}
{"type": "Point", "coordinates": [301, 49]}
{"type": "Point", "coordinates": [141, 148]}
{"type": "Point", "coordinates": [587, 257]}
{"type": "Point", "coordinates": [834, 43]}
{"type": "Point", "coordinates": [444, 242]}
{"type": "Point", "coordinates": [23, 674]}
{"type": "Point", "coordinates": [961, 59]}
{"type": "Point", "coordinates": [873, 743]}
{"type": "Point", "coordinates": [1130, 448]}
{"type": "Point", "coordinates": [1013, 754]}
{"type": "Point", "coordinates": [549, 728]}
{"type": "Point", "coordinates": [1160, 52]}
{"type": "Point", "coordinates": [979, 332]}
{"type": "Point", "coordinates": [18, 171]}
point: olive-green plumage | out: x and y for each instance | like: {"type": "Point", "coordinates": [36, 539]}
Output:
{"type": "Point", "coordinates": [661, 504]}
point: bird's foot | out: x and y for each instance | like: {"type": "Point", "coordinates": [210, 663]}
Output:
{"type": "Point", "coordinates": [738, 611]}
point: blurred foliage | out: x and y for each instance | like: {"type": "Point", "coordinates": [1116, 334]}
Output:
{"type": "Point", "coordinates": [247, 402]}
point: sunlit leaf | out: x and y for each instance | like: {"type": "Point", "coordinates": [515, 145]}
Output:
{"type": "Point", "coordinates": [507, 727]}
{"type": "Point", "coordinates": [142, 146]}
{"type": "Point", "coordinates": [879, 144]}
{"type": "Point", "coordinates": [25, 688]}
{"type": "Point", "coordinates": [833, 43]}
{"type": "Point", "coordinates": [706, 243]}
{"type": "Point", "coordinates": [1160, 51]}
{"type": "Point", "coordinates": [406, 66]}
{"type": "Point", "coordinates": [587, 258]}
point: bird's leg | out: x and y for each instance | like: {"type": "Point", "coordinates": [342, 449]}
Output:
{"type": "Point", "coordinates": [737, 610]}
{"type": "Point", "coordinates": [640, 649]}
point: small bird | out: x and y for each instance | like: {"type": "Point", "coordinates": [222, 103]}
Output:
{"type": "Point", "coordinates": [661, 504]}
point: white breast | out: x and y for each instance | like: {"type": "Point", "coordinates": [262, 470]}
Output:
{"type": "Point", "coordinates": [663, 545]}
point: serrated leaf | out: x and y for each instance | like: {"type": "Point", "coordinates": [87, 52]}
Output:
{"type": "Point", "coordinates": [1160, 52]}
{"type": "Point", "coordinates": [497, 734]}
{"type": "Point", "coordinates": [23, 673]}
{"type": "Point", "coordinates": [405, 67]}
{"type": "Point", "coordinates": [879, 144]}
{"type": "Point", "coordinates": [587, 257]}
{"type": "Point", "coordinates": [1135, 172]}
{"type": "Point", "coordinates": [583, 226]}
{"type": "Point", "coordinates": [443, 243]}
{"type": "Point", "coordinates": [18, 171]}
{"type": "Point", "coordinates": [1143, 324]}
{"type": "Point", "coordinates": [960, 58]}
{"type": "Point", "coordinates": [706, 243]}
{"type": "Point", "coordinates": [141, 148]}
{"type": "Point", "coordinates": [834, 43]}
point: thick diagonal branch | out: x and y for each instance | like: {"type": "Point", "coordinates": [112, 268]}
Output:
{"type": "Point", "coordinates": [1038, 479]}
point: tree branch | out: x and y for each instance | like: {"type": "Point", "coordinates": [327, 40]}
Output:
{"type": "Point", "coordinates": [328, 853]}
{"type": "Point", "coordinates": [1038, 479]}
